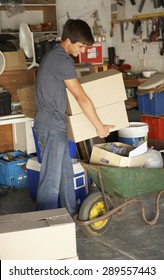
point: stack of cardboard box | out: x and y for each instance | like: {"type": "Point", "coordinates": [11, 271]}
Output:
{"type": "Point", "coordinates": [107, 92]}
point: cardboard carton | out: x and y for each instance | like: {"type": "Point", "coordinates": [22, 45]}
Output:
{"type": "Point", "coordinates": [40, 235]}
{"type": "Point", "coordinates": [103, 157]}
{"type": "Point", "coordinates": [103, 88]}
{"type": "Point", "coordinates": [80, 128]}
{"type": "Point", "coordinates": [15, 60]}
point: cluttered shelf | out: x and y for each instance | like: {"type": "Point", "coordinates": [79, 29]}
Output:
{"type": "Point", "coordinates": [133, 82]}
{"type": "Point", "coordinates": [131, 102]}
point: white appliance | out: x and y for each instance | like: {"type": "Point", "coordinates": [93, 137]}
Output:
{"type": "Point", "coordinates": [26, 41]}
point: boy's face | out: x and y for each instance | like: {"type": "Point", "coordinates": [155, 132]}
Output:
{"type": "Point", "coordinates": [76, 48]}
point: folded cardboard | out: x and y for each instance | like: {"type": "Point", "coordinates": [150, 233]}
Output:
{"type": "Point", "coordinates": [101, 156]}
{"type": "Point", "coordinates": [80, 128]}
{"type": "Point", "coordinates": [15, 60]}
{"type": "Point", "coordinates": [40, 235]}
{"type": "Point", "coordinates": [103, 88]}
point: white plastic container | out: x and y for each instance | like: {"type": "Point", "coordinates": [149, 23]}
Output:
{"type": "Point", "coordinates": [135, 134]}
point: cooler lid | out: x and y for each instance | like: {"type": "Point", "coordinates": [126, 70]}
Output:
{"type": "Point", "coordinates": [33, 164]}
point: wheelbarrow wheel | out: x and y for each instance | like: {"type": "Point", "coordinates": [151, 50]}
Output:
{"type": "Point", "coordinates": [94, 207]}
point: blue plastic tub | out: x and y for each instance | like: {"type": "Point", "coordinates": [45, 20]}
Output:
{"type": "Point", "coordinates": [14, 173]}
{"type": "Point", "coordinates": [151, 103]}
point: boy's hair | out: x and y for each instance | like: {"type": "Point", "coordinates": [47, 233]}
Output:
{"type": "Point", "coordinates": [77, 30]}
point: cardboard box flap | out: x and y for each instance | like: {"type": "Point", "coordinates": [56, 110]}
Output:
{"type": "Point", "coordinates": [55, 214]}
{"type": "Point", "coordinates": [99, 75]}
{"type": "Point", "coordinates": [34, 220]}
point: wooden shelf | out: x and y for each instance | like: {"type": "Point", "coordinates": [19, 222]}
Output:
{"type": "Point", "coordinates": [48, 9]}
{"type": "Point", "coordinates": [142, 17]}
{"type": "Point", "coordinates": [131, 102]}
{"type": "Point", "coordinates": [133, 82]}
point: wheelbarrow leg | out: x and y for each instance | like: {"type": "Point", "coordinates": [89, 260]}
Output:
{"type": "Point", "coordinates": [155, 219]}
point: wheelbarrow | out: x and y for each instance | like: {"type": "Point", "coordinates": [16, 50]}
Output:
{"type": "Point", "coordinates": [127, 183]}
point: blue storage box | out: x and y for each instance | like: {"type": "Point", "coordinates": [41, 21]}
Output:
{"type": "Point", "coordinates": [72, 149]}
{"type": "Point", "coordinates": [33, 171]}
{"type": "Point", "coordinates": [13, 173]}
{"type": "Point", "coordinates": [151, 103]}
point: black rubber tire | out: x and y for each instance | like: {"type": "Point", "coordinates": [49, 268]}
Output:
{"type": "Point", "coordinates": [85, 213]}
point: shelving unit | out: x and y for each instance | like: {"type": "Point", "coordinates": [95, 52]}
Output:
{"type": "Point", "coordinates": [132, 83]}
{"type": "Point", "coordinates": [48, 9]}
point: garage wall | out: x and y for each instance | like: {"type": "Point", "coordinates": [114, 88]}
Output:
{"type": "Point", "coordinates": [85, 8]}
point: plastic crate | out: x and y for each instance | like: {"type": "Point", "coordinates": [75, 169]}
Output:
{"type": "Point", "coordinates": [156, 127]}
{"type": "Point", "coordinates": [13, 173]}
{"type": "Point", "coordinates": [151, 103]}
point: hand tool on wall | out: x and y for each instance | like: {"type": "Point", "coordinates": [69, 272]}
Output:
{"type": "Point", "coordinates": [133, 2]}
{"type": "Point", "coordinates": [122, 31]}
{"type": "Point", "coordinates": [157, 3]}
{"type": "Point", "coordinates": [155, 31]}
{"type": "Point", "coordinates": [162, 32]}
{"type": "Point", "coordinates": [120, 2]}
{"type": "Point", "coordinates": [111, 30]}
{"type": "Point", "coordinates": [147, 31]}
{"type": "Point", "coordinates": [141, 6]}
{"type": "Point", "coordinates": [137, 28]}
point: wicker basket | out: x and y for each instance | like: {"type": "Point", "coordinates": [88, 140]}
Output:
{"type": "Point", "coordinates": [27, 100]}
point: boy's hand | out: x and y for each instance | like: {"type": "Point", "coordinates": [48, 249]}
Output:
{"type": "Point", "coordinates": [104, 131]}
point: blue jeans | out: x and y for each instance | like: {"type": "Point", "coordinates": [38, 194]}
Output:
{"type": "Point", "coordinates": [56, 187]}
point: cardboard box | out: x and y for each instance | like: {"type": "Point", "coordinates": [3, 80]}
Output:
{"type": "Point", "coordinates": [15, 60]}
{"type": "Point", "coordinates": [80, 128]}
{"type": "Point", "coordinates": [40, 235]}
{"type": "Point", "coordinates": [92, 54]}
{"type": "Point", "coordinates": [103, 157]}
{"type": "Point", "coordinates": [103, 88]}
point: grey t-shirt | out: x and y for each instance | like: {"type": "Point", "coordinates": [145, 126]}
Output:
{"type": "Point", "coordinates": [51, 99]}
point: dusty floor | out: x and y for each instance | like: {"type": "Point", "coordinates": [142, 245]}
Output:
{"type": "Point", "coordinates": [127, 238]}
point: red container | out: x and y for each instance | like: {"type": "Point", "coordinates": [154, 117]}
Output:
{"type": "Point", "coordinates": [93, 54]}
{"type": "Point", "coordinates": [156, 126]}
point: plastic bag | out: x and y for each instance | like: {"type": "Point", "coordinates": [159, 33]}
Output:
{"type": "Point", "coordinates": [154, 159]}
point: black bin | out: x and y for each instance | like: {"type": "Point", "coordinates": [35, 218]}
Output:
{"type": "Point", "coordinates": [5, 103]}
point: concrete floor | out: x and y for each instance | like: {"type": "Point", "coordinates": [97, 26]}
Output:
{"type": "Point", "coordinates": [127, 238]}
